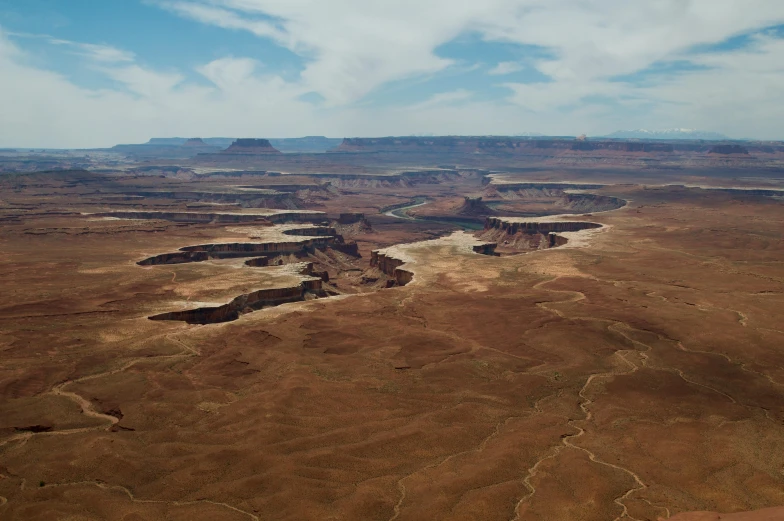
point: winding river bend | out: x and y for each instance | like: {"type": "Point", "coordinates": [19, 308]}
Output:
{"type": "Point", "coordinates": [402, 213]}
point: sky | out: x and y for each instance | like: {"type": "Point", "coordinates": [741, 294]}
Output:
{"type": "Point", "coordinates": [82, 73]}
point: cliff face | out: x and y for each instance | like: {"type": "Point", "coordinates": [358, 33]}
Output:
{"type": "Point", "coordinates": [351, 218]}
{"type": "Point", "coordinates": [251, 147]}
{"type": "Point", "coordinates": [474, 207]}
{"type": "Point", "coordinates": [512, 227]}
{"type": "Point", "coordinates": [514, 236]}
{"type": "Point", "coordinates": [190, 217]}
{"type": "Point", "coordinates": [257, 262]}
{"type": "Point", "coordinates": [468, 150]}
{"type": "Point", "coordinates": [309, 287]}
{"type": "Point", "coordinates": [245, 303]}
{"type": "Point", "coordinates": [195, 142]}
{"type": "Point", "coordinates": [244, 198]}
{"type": "Point", "coordinates": [729, 149]}
{"type": "Point", "coordinates": [484, 144]}
{"type": "Point", "coordinates": [390, 266]}
{"type": "Point", "coordinates": [319, 238]}
{"type": "Point", "coordinates": [180, 257]}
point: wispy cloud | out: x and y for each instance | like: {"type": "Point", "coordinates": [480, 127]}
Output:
{"type": "Point", "coordinates": [506, 68]}
{"type": "Point", "coordinates": [96, 52]}
{"type": "Point", "coordinates": [99, 53]}
{"type": "Point", "coordinates": [443, 98]}
{"type": "Point", "coordinates": [591, 51]}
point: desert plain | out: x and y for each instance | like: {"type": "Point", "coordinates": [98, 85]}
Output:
{"type": "Point", "coordinates": [406, 329]}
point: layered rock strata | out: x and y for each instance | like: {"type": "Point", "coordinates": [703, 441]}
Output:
{"type": "Point", "coordinates": [391, 261]}
{"type": "Point", "coordinates": [251, 147]}
{"type": "Point", "coordinates": [180, 257]}
{"type": "Point", "coordinates": [258, 218]}
{"type": "Point", "coordinates": [255, 198]}
{"type": "Point", "coordinates": [516, 235]}
{"type": "Point", "coordinates": [313, 238]}
{"type": "Point", "coordinates": [257, 262]}
{"type": "Point", "coordinates": [191, 217]}
{"type": "Point", "coordinates": [310, 287]}
{"type": "Point", "coordinates": [512, 225]}
{"type": "Point", "coordinates": [391, 267]}
{"type": "Point", "coordinates": [474, 207]}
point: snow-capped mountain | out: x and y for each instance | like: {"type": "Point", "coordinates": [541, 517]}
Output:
{"type": "Point", "coordinates": [670, 133]}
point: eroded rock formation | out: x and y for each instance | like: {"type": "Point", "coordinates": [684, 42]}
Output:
{"type": "Point", "coordinates": [315, 238]}
{"type": "Point", "coordinates": [390, 266]}
{"type": "Point", "coordinates": [195, 142]}
{"type": "Point", "coordinates": [251, 147]}
{"type": "Point", "coordinates": [524, 235]}
{"type": "Point", "coordinates": [311, 287]}
{"type": "Point", "coordinates": [191, 217]}
{"type": "Point", "coordinates": [729, 149]}
{"type": "Point", "coordinates": [391, 261]}
{"type": "Point", "coordinates": [512, 226]}
{"type": "Point", "coordinates": [474, 207]}
{"type": "Point", "coordinates": [351, 218]}
{"type": "Point", "coordinates": [257, 262]}
{"type": "Point", "coordinates": [180, 257]}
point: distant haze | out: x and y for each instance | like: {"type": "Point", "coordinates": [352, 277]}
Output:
{"type": "Point", "coordinates": [673, 133]}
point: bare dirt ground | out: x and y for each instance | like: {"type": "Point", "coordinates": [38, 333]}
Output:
{"type": "Point", "coordinates": [637, 373]}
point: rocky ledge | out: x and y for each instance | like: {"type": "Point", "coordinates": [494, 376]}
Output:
{"type": "Point", "coordinates": [515, 235]}
{"type": "Point", "coordinates": [512, 225]}
{"type": "Point", "coordinates": [258, 217]}
{"type": "Point", "coordinates": [397, 262]}
{"type": "Point", "coordinates": [190, 217]}
{"type": "Point", "coordinates": [297, 240]}
{"type": "Point", "coordinates": [309, 288]}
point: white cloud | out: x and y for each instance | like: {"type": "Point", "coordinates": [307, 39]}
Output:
{"type": "Point", "coordinates": [443, 98]}
{"type": "Point", "coordinates": [43, 108]}
{"type": "Point", "coordinates": [145, 82]}
{"type": "Point", "coordinates": [99, 53]}
{"type": "Point", "coordinates": [352, 47]}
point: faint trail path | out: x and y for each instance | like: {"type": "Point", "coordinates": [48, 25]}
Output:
{"type": "Point", "coordinates": [401, 487]}
{"type": "Point", "coordinates": [88, 409]}
{"type": "Point", "coordinates": [86, 406]}
{"type": "Point", "coordinates": [132, 497]}
{"type": "Point", "coordinates": [584, 404]}
{"type": "Point", "coordinates": [619, 328]}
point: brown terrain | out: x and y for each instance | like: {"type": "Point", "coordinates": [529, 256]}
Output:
{"type": "Point", "coordinates": [401, 329]}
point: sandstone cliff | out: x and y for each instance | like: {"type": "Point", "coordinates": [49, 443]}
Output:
{"type": "Point", "coordinates": [190, 217]}
{"type": "Point", "coordinates": [195, 142]}
{"type": "Point", "coordinates": [309, 287]}
{"type": "Point", "coordinates": [474, 207]}
{"type": "Point", "coordinates": [251, 147]}
{"type": "Point", "coordinates": [512, 225]}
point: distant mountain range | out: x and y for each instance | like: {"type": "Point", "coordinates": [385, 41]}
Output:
{"type": "Point", "coordinates": [670, 133]}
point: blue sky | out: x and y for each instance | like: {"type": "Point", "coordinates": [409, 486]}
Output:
{"type": "Point", "coordinates": [79, 73]}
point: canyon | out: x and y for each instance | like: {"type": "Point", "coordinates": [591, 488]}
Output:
{"type": "Point", "coordinates": [397, 329]}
